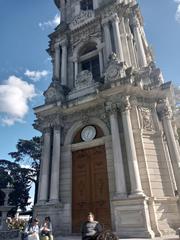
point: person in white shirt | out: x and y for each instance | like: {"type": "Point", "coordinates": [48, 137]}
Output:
{"type": "Point", "coordinates": [46, 229]}
{"type": "Point", "coordinates": [33, 231]}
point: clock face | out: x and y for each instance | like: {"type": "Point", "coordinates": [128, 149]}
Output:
{"type": "Point", "coordinates": [88, 133]}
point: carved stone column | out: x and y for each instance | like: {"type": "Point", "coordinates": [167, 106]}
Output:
{"type": "Point", "coordinates": [117, 38]}
{"type": "Point", "coordinates": [45, 164]}
{"type": "Point", "coordinates": [117, 152]}
{"type": "Point", "coordinates": [108, 44]}
{"type": "Point", "coordinates": [95, 4]}
{"type": "Point", "coordinates": [75, 68]}
{"type": "Point", "coordinates": [64, 63]}
{"type": "Point", "coordinates": [127, 58]}
{"type": "Point", "coordinates": [55, 168]}
{"type": "Point", "coordinates": [136, 187]}
{"type": "Point", "coordinates": [57, 62]}
{"type": "Point", "coordinates": [139, 43]}
{"type": "Point", "coordinates": [165, 114]}
{"type": "Point", "coordinates": [130, 43]}
{"type": "Point", "coordinates": [100, 60]}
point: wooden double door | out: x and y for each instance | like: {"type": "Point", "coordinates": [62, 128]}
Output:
{"type": "Point", "coordinates": [90, 191]}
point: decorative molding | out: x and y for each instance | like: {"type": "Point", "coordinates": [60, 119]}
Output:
{"type": "Point", "coordinates": [125, 104]}
{"type": "Point", "coordinates": [84, 79]}
{"type": "Point", "coordinates": [109, 11]}
{"type": "Point", "coordinates": [111, 107]}
{"type": "Point", "coordinates": [83, 18]}
{"type": "Point", "coordinates": [44, 124]}
{"type": "Point", "coordinates": [115, 69]}
{"type": "Point", "coordinates": [54, 93]}
{"type": "Point", "coordinates": [164, 109]}
{"type": "Point", "coordinates": [85, 34]}
{"type": "Point", "coordinates": [146, 118]}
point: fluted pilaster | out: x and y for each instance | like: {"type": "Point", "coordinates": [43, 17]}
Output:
{"type": "Point", "coordinates": [136, 187]}
{"type": "Point", "coordinates": [45, 165]}
{"type": "Point", "coordinates": [117, 152]}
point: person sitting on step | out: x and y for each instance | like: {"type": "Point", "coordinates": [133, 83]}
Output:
{"type": "Point", "coordinates": [46, 229]}
{"type": "Point", "coordinates": [91, 228]}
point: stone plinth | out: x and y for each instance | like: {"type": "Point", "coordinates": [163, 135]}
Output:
{"type": "Point", "coordinates": [132, 218]}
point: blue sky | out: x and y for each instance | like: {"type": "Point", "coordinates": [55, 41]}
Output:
{"type": "Point", "coordinates": [25, 67]}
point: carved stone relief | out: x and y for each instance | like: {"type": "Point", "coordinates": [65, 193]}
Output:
{"type": "Point", "coordinates": [115, 69]}
{"type": "Point", "coordinates": [85, 34]}
{"type": "Point", "coordinates": [54, 93]}
{"type": "Point", "coordinates": [111, 10]}
{"type": "Point", "coordinates": [85, 116]}
{"type": "Point", "coordinates": [164, 109]}
{"type": "Point", "coordinates": [83, 18]}
{"type": "Point", "coordinates": [84, 79]}
{"type": "Point", "coordinates": [146, 118]}
{"type": "Point", "coordinates": [44, 123]}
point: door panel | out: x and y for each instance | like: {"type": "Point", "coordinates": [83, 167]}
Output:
{"type": "Point", "coordinates": [90, 192]}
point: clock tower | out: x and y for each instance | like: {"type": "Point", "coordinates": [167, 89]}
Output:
{"type": "Point", "coordinates": [109, 140]}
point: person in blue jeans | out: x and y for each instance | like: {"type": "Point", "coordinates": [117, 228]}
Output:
{"type": "Point", "coordinates": [91, 228]}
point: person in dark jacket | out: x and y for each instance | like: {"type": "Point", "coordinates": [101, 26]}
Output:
{"type": "Point", "coordinates": [91, 228]}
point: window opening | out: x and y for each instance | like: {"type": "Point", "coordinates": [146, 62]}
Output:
{"type": "Point", "coordinates": [92, 65]}
{"type": "Point", "coordinates": [112, 38]}
{"type": "Point", "coordinates": [86, 5]}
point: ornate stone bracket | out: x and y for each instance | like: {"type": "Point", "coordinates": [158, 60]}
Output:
{"type": "Point", "coordinates": [55, 92]}
{"type": "Point", "coordinates": [164, 109]}
{"type": "Point", "coordinates": [115, 69]}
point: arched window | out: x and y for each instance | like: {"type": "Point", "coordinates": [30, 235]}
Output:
{"type": "Point", "coordinates": [86, 5]}
{"type": "Point", "coordinates": [89, 60]}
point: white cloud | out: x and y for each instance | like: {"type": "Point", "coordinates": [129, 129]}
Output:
{"type": "Point", "coordinates": [177, 15]}
{"type": "Point", "coordinates": [14, 96]}
{"type": "Point", "coordinates": [50, 23]}
{"type": "Point", "coordinates": [36, 75]}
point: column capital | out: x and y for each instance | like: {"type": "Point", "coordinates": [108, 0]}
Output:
{"type": "Point", "coordinates": [133, 101]}
{"type": "Point", "coordinates": [105, 21]}
{"type": "Point", "coordinates": [46, 130]}
{"type": "Point", "coordinates": [75, 59]}
{"type": "Point", "coordinates": [164, 109]}
{"type": "Point", "coordinates": [115, 18]}
{"type": "Point", "coordinates": [135, 22]}
{"type": "Point", "coordinates": [57, 45]}
{"type": "Point", "coordinates": [112, 108]}
{"type": "Point", "coordinates": [125, 104]}
{"type": "Point", "coordinates": [64, 43]}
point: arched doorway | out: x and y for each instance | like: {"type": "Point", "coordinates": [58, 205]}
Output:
{"type": "Point", "coordinates": [90, 191]}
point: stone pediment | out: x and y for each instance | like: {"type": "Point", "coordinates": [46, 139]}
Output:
{"type": "Point", "coordinates": [81, 19]}
{"type": "Point", "coordinates": [115, 69]}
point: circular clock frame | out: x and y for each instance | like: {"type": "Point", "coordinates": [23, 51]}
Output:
{"type": "Point", "coordinates": [88, 133]}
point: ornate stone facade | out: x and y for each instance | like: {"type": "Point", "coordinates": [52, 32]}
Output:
{"type": "Point", "coordinates": [105, 80]}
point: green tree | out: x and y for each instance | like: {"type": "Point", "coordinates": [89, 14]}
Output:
{"type": "Point", "coordinates": [18, 177]}
{"type": "Point", "coordinates": [29, 153]}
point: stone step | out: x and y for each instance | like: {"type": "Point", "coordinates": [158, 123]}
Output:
{"type": "Point", "coordinates": [158, 238]}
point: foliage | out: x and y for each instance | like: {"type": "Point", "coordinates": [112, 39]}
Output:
{"type": "Point", "coordinates": [18, 177]}
{"type": "Point", "coordinates": [17, 223]}
{"type": "Point", "coordinates": [29, 153]}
